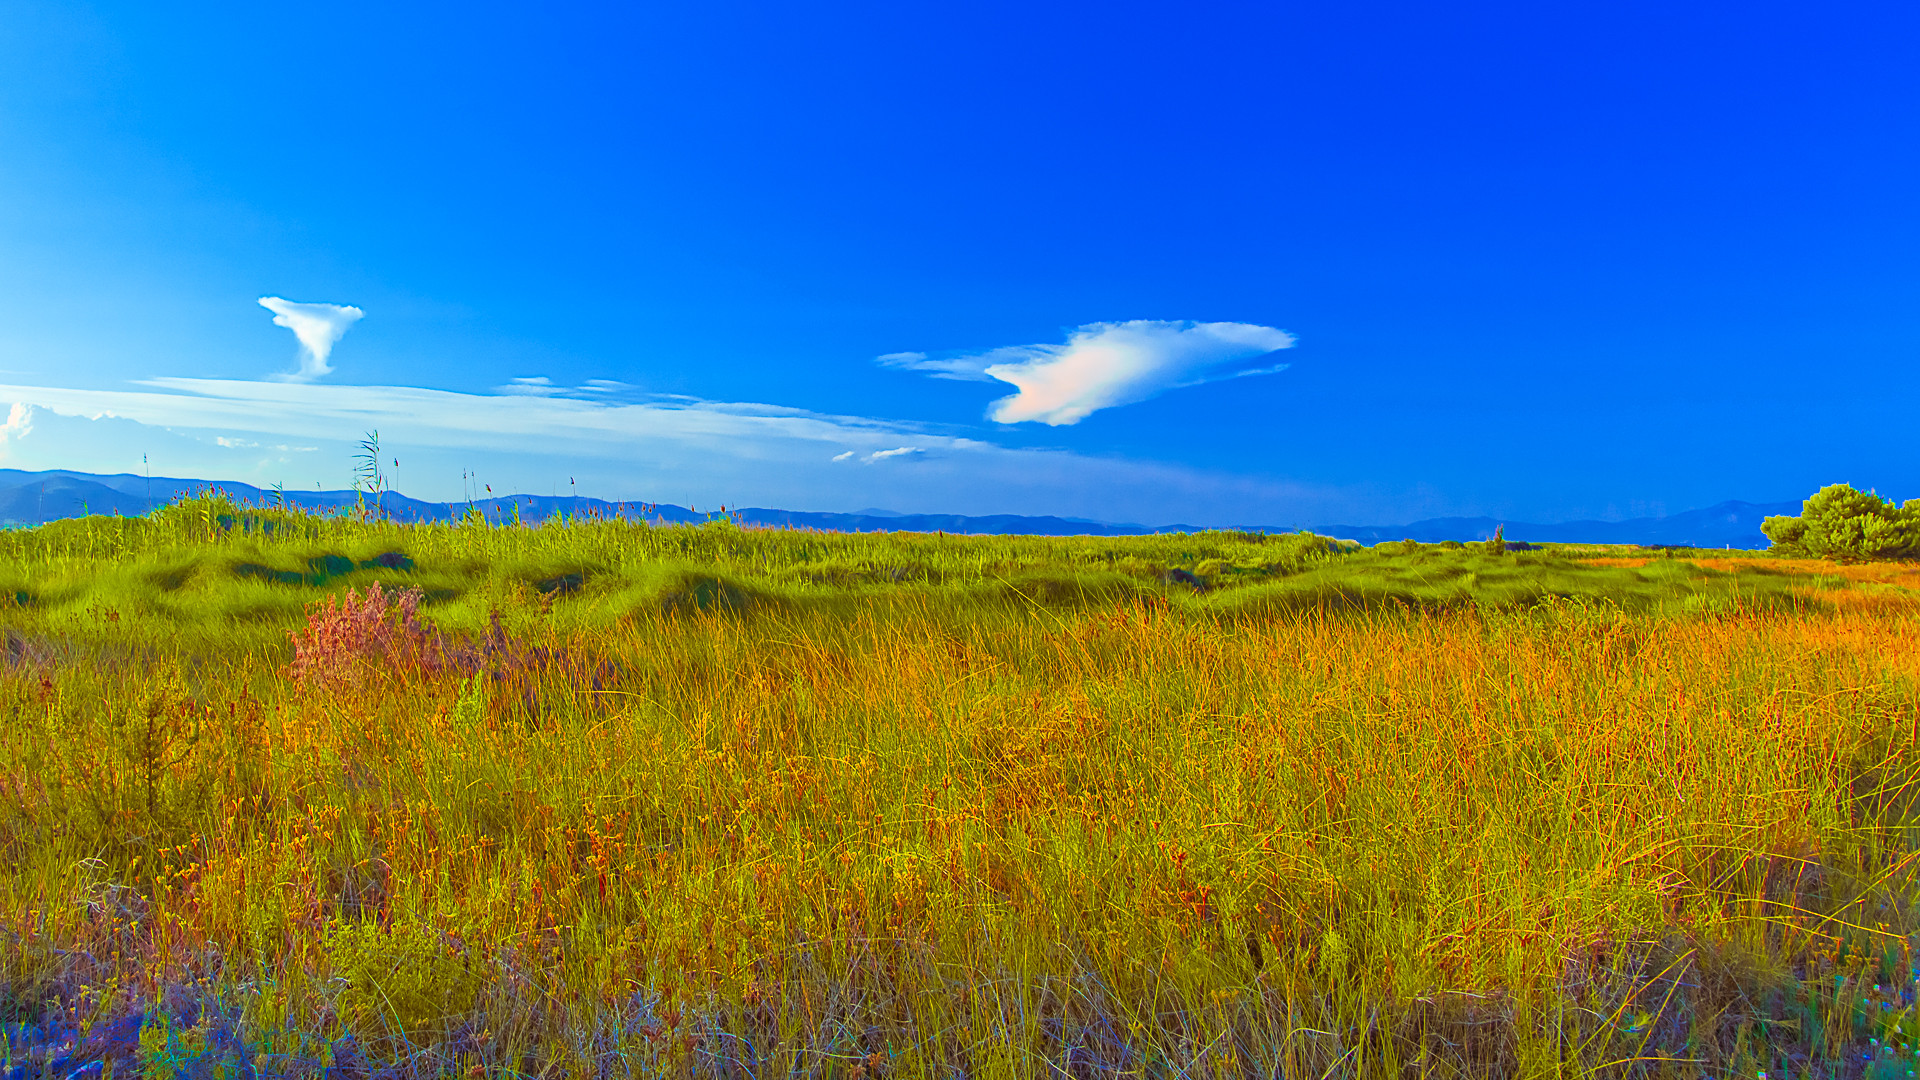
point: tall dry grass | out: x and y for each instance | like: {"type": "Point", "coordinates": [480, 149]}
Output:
{"type": "Point", "coordinates": [911, 839]}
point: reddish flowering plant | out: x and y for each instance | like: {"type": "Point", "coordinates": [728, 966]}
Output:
{"type": "Point", "coordinates": [339, 634]}
{"type": "Point", "coordinates": [344, 637]}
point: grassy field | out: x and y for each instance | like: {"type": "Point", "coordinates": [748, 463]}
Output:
{"type": "Point", "coordinates": [596, 799]}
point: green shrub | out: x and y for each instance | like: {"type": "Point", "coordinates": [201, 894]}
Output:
{"type": "Point", "coordinates": [1208, 569]}
{"type": "Point", "coordinates": [29, 973]}
{"type": "Point", "coordinates": [1846, 525]}
{"type": "Point", "coordinates": [402, 988]}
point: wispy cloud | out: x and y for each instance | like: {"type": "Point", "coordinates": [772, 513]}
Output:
{"type": "Point", "coordinates": [661, 448]}
{"type": "Point", "coordinates": [881, 455]}
{"type": "Point", "coordinates": [542, 386]}
{"type": "Point", "coordinates": [318, 326]}
{"type": "Point", "coordinates": [969, 368]}
{"type": "Point", "coordinates": [1106, 364]}
{"type": "Point", "coordinates": [536, 386]}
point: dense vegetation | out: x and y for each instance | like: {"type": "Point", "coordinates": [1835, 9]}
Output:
{"type": "Point", "coordinates": [1846, 525]}
{"type": "Point", "coordinates": [210, 567]}
{"type": "Point", "coordinates": [599, 799]}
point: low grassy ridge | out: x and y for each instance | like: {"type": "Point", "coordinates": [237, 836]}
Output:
{"type": "Point", "coordinates": [600, 799]}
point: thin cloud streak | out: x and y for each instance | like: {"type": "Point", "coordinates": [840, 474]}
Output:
{"type": "Point", "coordinates": [669, 449]}
{"type": "Point", "coordinates": [878, 456]}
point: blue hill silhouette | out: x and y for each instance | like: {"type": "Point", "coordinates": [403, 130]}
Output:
{"type": "Point", "coordinates": [31, 498]}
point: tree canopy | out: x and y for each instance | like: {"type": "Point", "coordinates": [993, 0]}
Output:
{"type": "Point", "coordinates": [1847, 525]}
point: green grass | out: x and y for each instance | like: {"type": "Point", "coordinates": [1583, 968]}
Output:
{"type": "Point", "coordinates": [209, 563]}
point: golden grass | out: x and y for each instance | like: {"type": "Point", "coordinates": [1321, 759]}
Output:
{"type": "Point", "coordinates": [915, 841]}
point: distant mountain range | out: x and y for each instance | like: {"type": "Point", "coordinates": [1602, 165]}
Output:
{"type": "Point", "coordinates": [32, 498]}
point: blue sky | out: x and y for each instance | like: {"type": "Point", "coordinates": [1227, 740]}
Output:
{"type": "Point", "coordinates": [1260, 263]}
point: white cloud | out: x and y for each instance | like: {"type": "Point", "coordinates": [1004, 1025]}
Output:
{"type": "Point", "coordinates": [318, 326]}
{"type": "Point", "coordinates": [18, 426]}
{"type": "Point", "coordinates": [661, 449]}
{"type": "Point", "coordinates": [1106, 364]}
{"type": "Point", "coordinates": [19, 421]}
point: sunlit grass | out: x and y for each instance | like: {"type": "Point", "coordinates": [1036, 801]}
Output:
{"type": "Point", "coordinates": [753, 803]}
